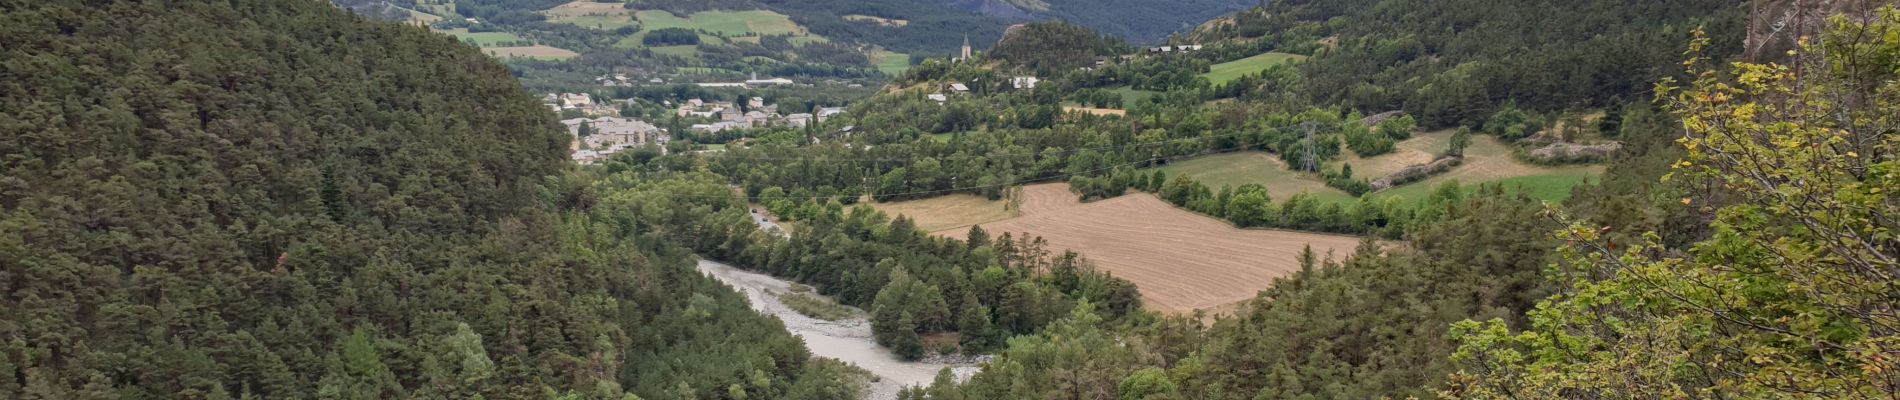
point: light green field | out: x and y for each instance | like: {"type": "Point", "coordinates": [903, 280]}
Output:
{"type": "Point", "coordinates": [1253, 167]}
{"type": "Point", "coordinates": [1130, 95]}
{"type": "Point", "coordinates": [688, 51]}
{"type": "Point", "coordinates": [891, 63]}
{"type": "Point", "coordinates": [1553, 186]}
{"type": "Point", "coordinates": [1229, 71]}
{"type": "Point", "coordinates": [601, 22]}
{"type": "Point", "coordinates": [730, 23]}
{"type": "Point", "coordinates": [483, 39]}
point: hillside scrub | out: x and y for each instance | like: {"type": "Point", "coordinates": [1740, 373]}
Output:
{"type": "Point", "coordinates": [1790, 296]}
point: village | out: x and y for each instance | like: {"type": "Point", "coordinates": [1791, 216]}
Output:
{"type": "Point", "coordinates": [600, 130]}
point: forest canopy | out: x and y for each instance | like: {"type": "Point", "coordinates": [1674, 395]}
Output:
{"type": "Point", "coordinates": [267, 199]}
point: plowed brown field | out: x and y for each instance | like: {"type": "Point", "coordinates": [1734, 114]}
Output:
{"type": "Point", "coordinates": [1047, 197]}
{"type": "Point", "coordinates": [1180, 260]}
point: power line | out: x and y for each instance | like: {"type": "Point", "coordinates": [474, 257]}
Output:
{"type": "Point", "coordinates": [954, 157]}
{"type": "Point", "coordinates": [930, 192]}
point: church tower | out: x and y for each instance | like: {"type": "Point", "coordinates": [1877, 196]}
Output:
{"type": "Point", "coordinates": [966, 48]}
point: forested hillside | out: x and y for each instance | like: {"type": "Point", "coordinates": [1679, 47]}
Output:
{"type": "Point", "coordinates": [1456, 62]}
{"type": "Point", "coordinates": [1054, 47]}
{"type": "Point", "coordinates": [262, 199]}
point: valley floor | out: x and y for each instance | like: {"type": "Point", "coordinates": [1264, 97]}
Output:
{"type": "Point", "coordinates": [847, 340]}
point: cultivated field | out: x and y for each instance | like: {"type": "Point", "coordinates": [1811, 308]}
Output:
{"type": "Point", "coordinates": [1047, 198]}
{"type": "Point", "coordinates": [483, 39]}
{"type": "Point", "coordinates": [688, 51]}
{"type": "Point", "coordinates": [1253, 167]}
{"type": "Point", "coordinates": [947, 213]}
{"type": "Point", "coordinates": [1228, 71]}
{"type": "Point", "coordinates": [1181, 261]}
{"type": "Point", "coordinates": [536, 51]}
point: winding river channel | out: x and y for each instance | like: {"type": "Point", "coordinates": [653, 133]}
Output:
{"type": "Point", "coordinates": [847, 340]}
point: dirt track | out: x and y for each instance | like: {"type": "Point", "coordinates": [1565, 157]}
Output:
{"type": "Point", "coordinates": [1180, 260]}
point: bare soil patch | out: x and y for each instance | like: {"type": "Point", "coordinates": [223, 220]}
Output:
{"type": "Point", "coordinates": [1095, 111]}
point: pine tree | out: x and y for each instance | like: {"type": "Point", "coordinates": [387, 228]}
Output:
{"type": "Point", "coordinates": [973, 327]}
{"type": "Point", "coordinates": [905, 341]}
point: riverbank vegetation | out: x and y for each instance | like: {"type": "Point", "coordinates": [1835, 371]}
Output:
{"type": "Point", "coordinates": [816, 307]}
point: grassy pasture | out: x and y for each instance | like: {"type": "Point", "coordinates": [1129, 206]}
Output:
{"type": "Point", "coordinates": [1253, 167]}
{"type": "Point", "coordinates": [1552, 186]}
{"type": "Point", "coordinates": [1228, 71]}
{"type": "Point", "coordinates": [688, 51]}
{"type": "Point", "coordinates": [1130, 95]}
{"type": "Point", "coordinates": [891, 63]}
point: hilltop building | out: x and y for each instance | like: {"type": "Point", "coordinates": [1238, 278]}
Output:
{"type": "Point", "coordinates": [965, 54]}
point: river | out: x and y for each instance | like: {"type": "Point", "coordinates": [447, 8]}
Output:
{"type": "Point", "coordinates": [848, 340]}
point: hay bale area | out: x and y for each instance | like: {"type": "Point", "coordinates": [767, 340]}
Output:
{"type": "Point", "coordinates": [1416, 172]}
{"type": "Point", "coordinates": [1561, 153]}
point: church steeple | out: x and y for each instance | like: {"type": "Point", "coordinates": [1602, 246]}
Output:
{"type": "Point", "coordinates": [966, 47]}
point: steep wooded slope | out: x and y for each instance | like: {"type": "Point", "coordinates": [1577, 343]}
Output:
{"type": "Point", "coordinates": [282, 200]}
